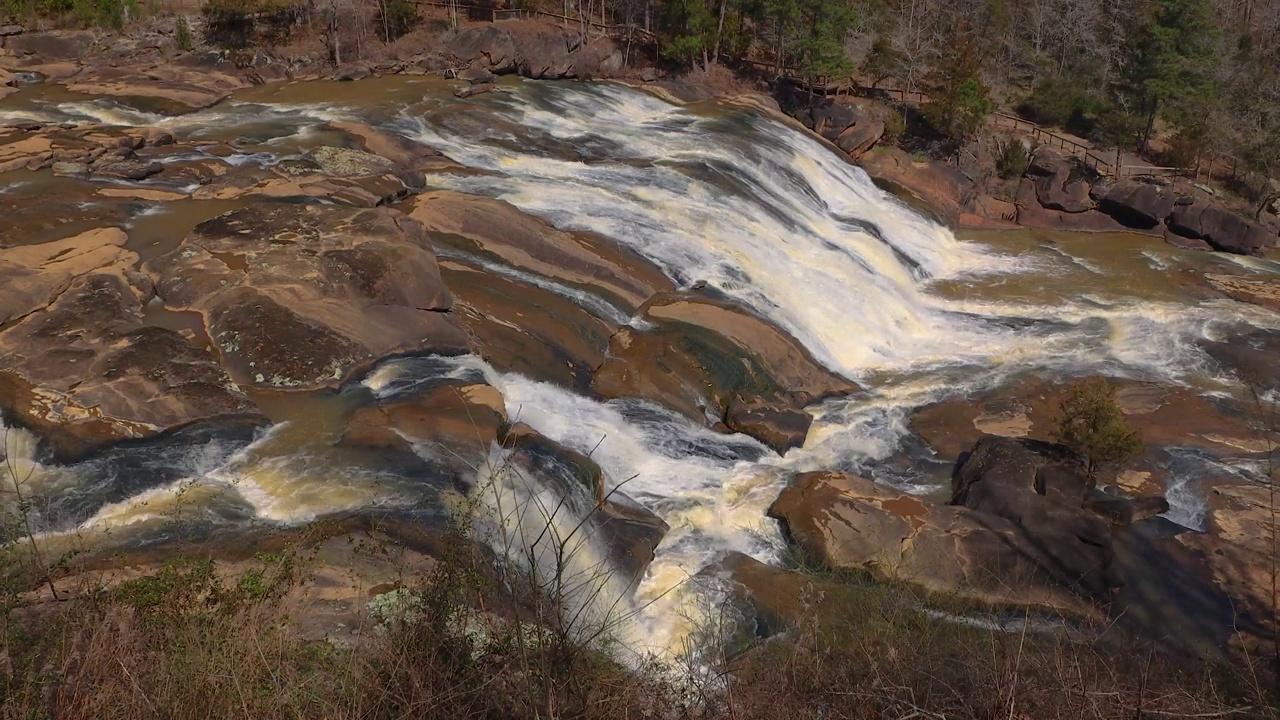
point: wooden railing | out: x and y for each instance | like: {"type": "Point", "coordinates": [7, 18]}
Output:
{"type": "Point", "coordinates": [1078, 149]}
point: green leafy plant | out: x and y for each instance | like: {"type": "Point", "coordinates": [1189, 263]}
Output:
{"type": "Point", "coordinates": [182, 33]}
{"type": "Point", "coordinates": [1012, 159]}
{"type": "Point", "coordinates": [1091, 423]}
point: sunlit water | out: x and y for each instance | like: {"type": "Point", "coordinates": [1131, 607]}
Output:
{"type": "Point", "coordinates": [722, 194]}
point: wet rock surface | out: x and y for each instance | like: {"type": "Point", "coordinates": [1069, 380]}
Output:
{"type": "Point", "coordinates": [85, 370]}
{"type": "Point", "coordinates": [304, 296]}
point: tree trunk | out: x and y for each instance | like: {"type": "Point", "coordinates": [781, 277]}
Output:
{"type": "Point", "coordinates": [720, 30]}
{"type": "Point", "coordinates": [1151, 124]}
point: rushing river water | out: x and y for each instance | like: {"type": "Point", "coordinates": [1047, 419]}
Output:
{"type": "Point", "coordinates": [717, 193]}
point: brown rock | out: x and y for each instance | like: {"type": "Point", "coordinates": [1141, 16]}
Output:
{"type": "Point", "coordinates": [528, 243]}
{"type": "Point", "coordinates": [777, 426]}
{"type": "Point", "coordinates": [163, 88]}
{"type": "Point", "coordinates": [703, 353]}
{"type": "Point", "coordinates": [845, 521]}
{"type": "Point", "coordinates": [86, 371]}
{"type": "Point", "coordinates": [1004, 477]}
{"type": "Point", "coordinates": [305, 296]}
{"type": "Point", "coordinates": [1258, 292]}
{"type": "Point", "coordinates": [938, 186]}
{"type": "Point", "coordinates": [1218, 226]}
{"type": "Point", "coordinates": [1061, 181]}
{"type": "Point", "coordinates": [460, 421]}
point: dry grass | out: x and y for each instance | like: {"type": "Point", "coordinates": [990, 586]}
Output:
{"type": "Point", "coordinates": [184, 643]}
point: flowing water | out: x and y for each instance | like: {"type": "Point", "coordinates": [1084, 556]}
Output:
{"type": "Point", "coordinates": [716, 193]}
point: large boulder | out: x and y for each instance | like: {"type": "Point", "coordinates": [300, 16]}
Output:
{"type": "Point", "coordinates": [1136, 204]}
{"type": "Point", "coordinates": [47, 47]}
{"type": "Point", "coordinates": [935, 186]}
{"type": "Point", "coordinates": [847, 522]}
{"type": "Point", "coordinates": [163, 88]}
{"type": "Point", "coordinates": [490, 46]}
{"type": "Point", "coordinates": [1040, 487]}
{"type": "Point", "coordinates": [1061, 181]}
{"type": "Point", "coordinates": [1223, 229]}
{"type": "Point", "coordinates": [700, 356]}
{"type": "Point", "coordinates": [302, 296]}
{"type": "Point", "coordinates": [778, 426]}
{"type": "Point", "coordinates": [87, 370]}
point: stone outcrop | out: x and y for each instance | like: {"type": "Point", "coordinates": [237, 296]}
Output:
{"type": "Point", "coordinates": [1165, 416]}
{"type": "Point", "coordinates": [1224, 230]}
{"type": "Point", "coordinates": [937, 188]}
{"type": "Point", "coordinates": [534, 50]}
{"type": "Point", "coordinates": [1061, 181]}
{"type": "Point", "coordinates": [300, 296]}
{"type": "Point", "coordinates": [1135, 203]}
{"type": "Point", "coordinates": [778, 426]}
{"type": "Point", "coordinates": [853, 124]}
{"type": "Point", "coordinates": [97, 147]}
{"type": "Point", "coordinates": [1040, 488]}
{"type": "Point", "coordinates": [847, 522]}
{"type": "Point", "coordinates": [700, 357]}
{"type": "Point", "coordinates": [80, 365]}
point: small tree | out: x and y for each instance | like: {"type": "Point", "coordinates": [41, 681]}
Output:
{"type": "Point", "coordinates": [1091, 423]}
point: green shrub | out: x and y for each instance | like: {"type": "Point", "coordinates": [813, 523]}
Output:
{"type": "Point", "coordinates": [1012, 158]}
{"type": "Point", "coordinates": [895, 125]}
{"type": "Point", "coordinates": [1091, 423]}
{"type": "Point", "coordinates": [183, 34]}
{"type": "Point", "coordinates": [398, 18]}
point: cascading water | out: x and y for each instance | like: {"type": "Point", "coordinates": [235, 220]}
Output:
{"type": "Point", "coordinates": [760, 211]}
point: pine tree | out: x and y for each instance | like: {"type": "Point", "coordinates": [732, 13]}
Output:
{"type": "Point", "coordinates": [1091, 423]}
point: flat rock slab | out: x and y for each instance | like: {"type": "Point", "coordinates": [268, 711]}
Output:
{"type": "Point", "coordinates": [303, 296]}
{"type": "Point", "coordinates": [86, 371]}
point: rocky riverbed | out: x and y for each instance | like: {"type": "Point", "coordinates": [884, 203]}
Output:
{"type": "Point", "coordinates": [240, 296]}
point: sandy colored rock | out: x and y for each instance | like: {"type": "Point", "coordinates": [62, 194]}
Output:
{"type": "Point", "coordinates": [532, 244]}
{"type": "Point", "coordinates": [32, 276]}
{"type": "Point", "coordinates": [301, 296]}
{"type": "Point", "coordinates": [1265, 293]}
{"type": "Point", "coordinates": [845, 521]}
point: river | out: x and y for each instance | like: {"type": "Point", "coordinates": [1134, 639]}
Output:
{"type": "Point", "coordinates": [721, 194]}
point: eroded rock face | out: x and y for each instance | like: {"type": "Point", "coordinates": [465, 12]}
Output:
{"type": "Point", "coordinates": [1040, 488]}
{"type": "Point", "coordinates": [304, 296]}
{"type": "Point", "coordinates": [163, 88]}
{"type": "Point", "coordinates": [845, 521]}
{"type": "Point", "coordinates": [86, 370]}
{"type": "Point", "coordinates": [1221, 228]}
{"type": "Point", "coordinates": [1061, 181]}
{"type": "Point", "coordinates": [498, 229]}
{"type": "Point", "coordinates": [702, 355]}
{"type": "Point", "coordinates": [1135, 204]}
